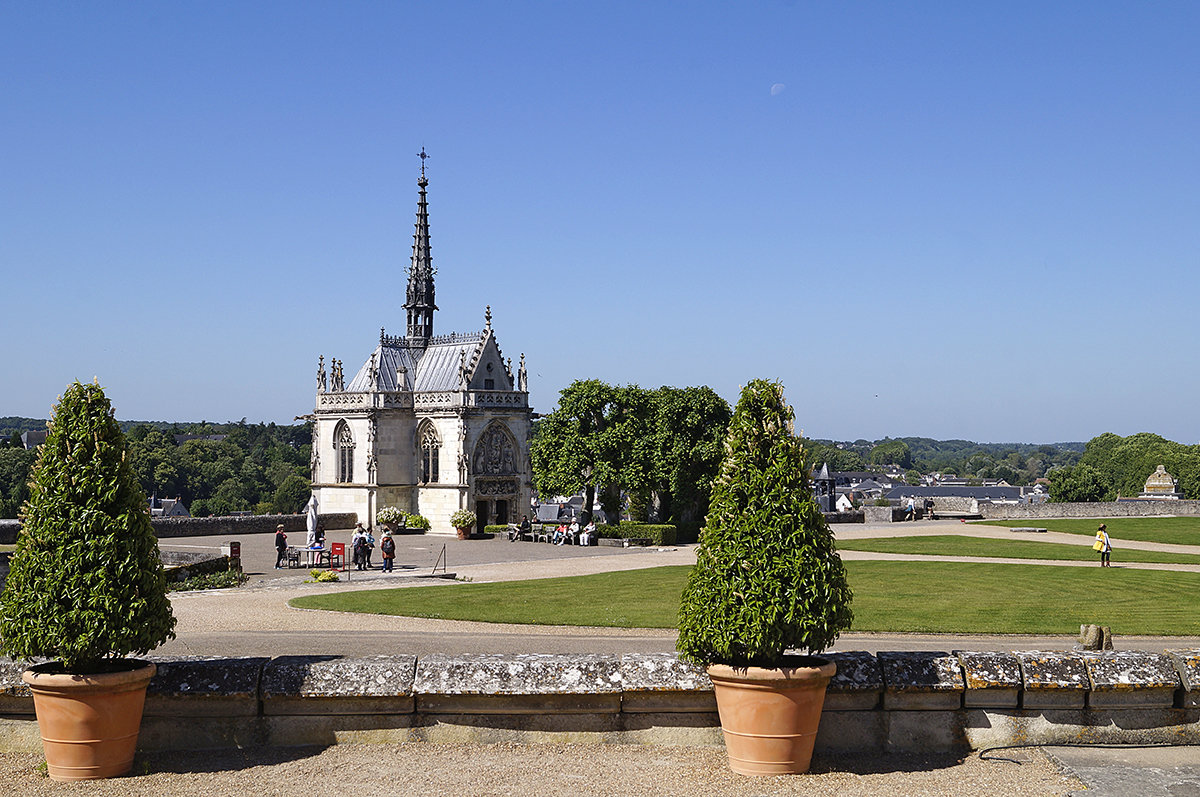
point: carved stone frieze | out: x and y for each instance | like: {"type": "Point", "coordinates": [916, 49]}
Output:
{"type": "Point", "coordinates": [495, 453]}
{"type": "Point", "coordinates": [499, 487]}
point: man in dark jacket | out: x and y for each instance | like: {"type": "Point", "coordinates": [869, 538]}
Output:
{"type": "Point", "coordinates": [280, 545]}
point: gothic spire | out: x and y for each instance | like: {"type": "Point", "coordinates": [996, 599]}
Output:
{"type": "Point", "coordinates": [420, 298]}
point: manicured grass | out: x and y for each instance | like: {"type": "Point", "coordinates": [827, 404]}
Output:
{"type": "Point", "coordinates": [933, 597]}
{"type": "Point", "coordinates": [958, 545]}
{"type": "Point", "coordinates": [1173, 530]}
{"type": "Point", "coordinates": [631, 599]}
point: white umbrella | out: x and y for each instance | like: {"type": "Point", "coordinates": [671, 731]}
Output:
{"type": "Point", "coordinates": [311, 510]}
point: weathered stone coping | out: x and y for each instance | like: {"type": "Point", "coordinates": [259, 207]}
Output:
{"type": "Point", "coordinates": [920, 680]}
{"type": "Point", "coordinates": [930, 700]}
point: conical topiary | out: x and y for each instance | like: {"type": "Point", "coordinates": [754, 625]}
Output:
{"type": "Point", "coordinates": [86, 584]}
{"type": "Point", "coordinates": [767, 577]}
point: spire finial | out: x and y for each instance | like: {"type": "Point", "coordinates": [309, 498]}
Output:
{"type": "Point", "coordinates": [487, 316]}
{"type": "Point", "coordinates": [422, 155]}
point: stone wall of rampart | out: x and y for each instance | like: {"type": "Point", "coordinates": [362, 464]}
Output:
{"type": "Point", "coordinates": [1095, 509]}
{"type": "Point", "coordinates": [213, 526]}
{"type": "Point", "coordinates": [927, 701]}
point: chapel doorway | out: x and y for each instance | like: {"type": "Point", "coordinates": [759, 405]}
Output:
{"type": "Point", "coordinates": [501, 513]}
{"type": "Point", "coordinates": [481, 515]}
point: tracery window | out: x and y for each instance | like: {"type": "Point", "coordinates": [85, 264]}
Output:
{"type": "Point", "coordinates": [429, 456]}
{"type": "Point", "coordinates": [343, 446]}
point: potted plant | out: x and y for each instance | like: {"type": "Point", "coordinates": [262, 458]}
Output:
{"type": "Point", "coordinates": [389, 517]}
{"type": "Point", "coordinates": [463, 520]}
{"type": "Point", "coordinates": [767, 580]}
{"type": "Point", "coordinates": [86, 588]}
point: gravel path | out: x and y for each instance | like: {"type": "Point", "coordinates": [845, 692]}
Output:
{"type": "Point", "coordinates": [542, 770]}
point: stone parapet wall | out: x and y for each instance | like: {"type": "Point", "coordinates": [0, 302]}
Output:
{"type": "Point", "coordinates": [903, 701]}
{"type": "Point", "coordinates": [214, 526]}
{"type": "Point", "coordinates": [1097, 509]}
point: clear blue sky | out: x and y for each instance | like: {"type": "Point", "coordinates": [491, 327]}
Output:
{"type": "Point", "coordinates": [935, 219]}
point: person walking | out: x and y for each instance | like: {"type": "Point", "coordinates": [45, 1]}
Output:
{"type": "Point", "coordinates": [280, 546]}
{"type": "Point", "coordinates": [387, 547]}
{"type": "Point", "coordinates": [1103, 544]}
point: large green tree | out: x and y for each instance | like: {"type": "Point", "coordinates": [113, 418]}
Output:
{"type": "Point", "coordinates": [689, 428]}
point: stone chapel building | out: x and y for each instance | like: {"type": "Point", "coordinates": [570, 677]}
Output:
{"type": "Point", "coordinates": [429, 423]}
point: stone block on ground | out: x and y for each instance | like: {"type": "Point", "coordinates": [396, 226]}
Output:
{"type": "Point", "coordinates": [1131, 679]}
{"type": "Point", "coordinates": [992, 679]}
{"type": "Point", "coordinates": [662, 682]}
{"type": "Point", "coordinates": [202, 686]}
{"type": "Point", "coordinates": [518, 684]}
{"type": "Point", "coordinates": [1187, 664]}
{"type": "Point", "coordinates": [333, 684]}
{"type": "Point", "coordinates": [1052, 679]}
{"type": "Point", "coordinates": [15, 697]}
{"type": "Point", "coordinates": [921, 680]}
{"type": "Point", "coordinates": [858, 684]}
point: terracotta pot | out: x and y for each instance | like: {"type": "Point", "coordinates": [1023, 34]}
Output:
{"type": "Point", "coordinates": [770, 717]}
{"type": "Point", "coordinates": [89, 723]}
{"type": "Point", "coordinates": [464, 533]}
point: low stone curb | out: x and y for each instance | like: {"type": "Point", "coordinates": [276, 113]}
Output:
{"type": "Point", "coordinates": [892, 701]}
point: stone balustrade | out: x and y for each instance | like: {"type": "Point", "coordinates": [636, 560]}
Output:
{"type": "Point", "coordinates": [892, 701]}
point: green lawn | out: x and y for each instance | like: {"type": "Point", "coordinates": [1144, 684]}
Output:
{"type": "Point", "coordinates": [958, 545]}
{"type": "Point", "coordinates": [1174, 530]}
{"type": "Point", "coordinates": [888, 596]}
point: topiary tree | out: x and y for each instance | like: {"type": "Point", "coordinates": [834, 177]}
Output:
{"type": "Point", "coordinates": [86, 584]}
{"type": "Point", "coordinates": [767, 576]}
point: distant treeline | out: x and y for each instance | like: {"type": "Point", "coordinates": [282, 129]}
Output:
{"type": "Point", "coordinates": [1015, 463]}
{"type": "Point", "coordinates": [258, 468]}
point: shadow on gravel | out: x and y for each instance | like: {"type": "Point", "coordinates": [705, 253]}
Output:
{"type": "Point", "coordinates": [869, 764]}
{"type": "Point", "coordinates": [199, 761]}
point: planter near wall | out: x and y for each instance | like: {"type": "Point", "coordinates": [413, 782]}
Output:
{"type": "Point", "coordinates": [89, 723]}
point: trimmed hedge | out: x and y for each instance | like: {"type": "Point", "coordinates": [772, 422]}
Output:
{"type": "Point", "coordinates": [502, 529]}
{"type": "Point", "coordinates": [658, 534]}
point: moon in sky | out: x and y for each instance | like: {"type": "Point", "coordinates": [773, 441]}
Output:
{"type": "Point", "coordinates": [777, 88]}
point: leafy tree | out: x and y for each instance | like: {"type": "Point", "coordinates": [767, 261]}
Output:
{"type": "Point", "coordinates": [892, 452]}
{"type": "Point", "coordinates": [568, 453]}
{"type": "Point", "coordinates": [291, 495]}
{"type": "Point", "coordinates": [913, 477]}
{"type": "Point", "coordinates": [15, 464]}
{"type": "Point", "coordinates": [688, 435]}
{"type": "Point", "coordinates": [1080, 483]}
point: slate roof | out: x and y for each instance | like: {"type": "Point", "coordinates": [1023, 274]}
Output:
{"type": "Point", "coordinates": [433, 368]}
{"type": "Point", "coordinates": [994, 492]}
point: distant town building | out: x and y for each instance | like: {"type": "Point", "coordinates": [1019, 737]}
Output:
{"type": "Point", "coordinates": [1161, 485]}
{"type": "Point", "coordinates": [32, 440]}
{"type": "Point", "coordinates": [167, 507]}
{"type": "Point", "coordinates": [429, 423]}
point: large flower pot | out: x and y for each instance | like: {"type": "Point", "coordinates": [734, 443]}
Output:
{"type": "Point", "coordinates": [464, 533]}
{"type": "Point", "coordinates": [89, 723]}
{"type": "Point", "coordinates": [770, 717]}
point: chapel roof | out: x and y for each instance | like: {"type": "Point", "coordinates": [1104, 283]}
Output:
{"type": "Point", "coordinates": [432, 367]}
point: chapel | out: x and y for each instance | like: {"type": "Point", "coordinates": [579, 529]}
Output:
{"type": "Point", "coordinates": [428, 423]}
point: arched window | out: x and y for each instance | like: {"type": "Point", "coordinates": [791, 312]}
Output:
{"type": "Point", "coordinates": [343, 447]}
{"type": "Point", "coordinates": [429, 456]}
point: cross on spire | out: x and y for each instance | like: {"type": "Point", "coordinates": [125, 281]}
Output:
{"type": "Point", "coordinates": [422, 155]}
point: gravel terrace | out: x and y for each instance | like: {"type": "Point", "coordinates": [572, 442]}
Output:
{"type": "Point", "coordinates": [543, 770]}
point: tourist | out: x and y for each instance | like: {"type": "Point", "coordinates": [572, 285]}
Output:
{"type": "Point", "coordinates": [588, 535]}
{"type": "Point", "coordinates": [280, 546]}
{"type": "Point", "coordinates": [910, 509]}
{"type": "Point", "coordinates": [574, 532]}
{"type": "Point", "coordinates": [387, 547]}
{"type": "Point", "coordinates": [369, 542]}
{"type": "Point", "coordinates": [1103, 545]}
{"type": "Point", "coordinates": [560, 534]}
{"type": "Point", "coordinates": [525, 530]}
{"type": "Point", "coordinates": [356, 545]}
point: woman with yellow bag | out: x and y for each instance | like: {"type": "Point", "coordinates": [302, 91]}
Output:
{"type": "Point", "coordinates": [1103, 545]}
